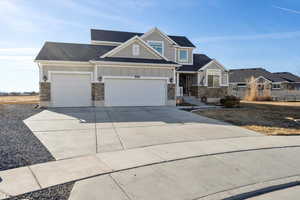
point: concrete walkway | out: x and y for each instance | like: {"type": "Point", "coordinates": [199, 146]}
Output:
{"type": "Point", "coordinates": [238, 152]}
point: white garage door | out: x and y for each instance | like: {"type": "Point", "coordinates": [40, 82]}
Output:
{"type": "Point", "coordinates": [133, 92]}
{"type": "Point", "coordinates": [71, 90]}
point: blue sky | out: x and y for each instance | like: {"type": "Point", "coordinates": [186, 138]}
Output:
{"type": "Point", "coordinates": [238, 33]}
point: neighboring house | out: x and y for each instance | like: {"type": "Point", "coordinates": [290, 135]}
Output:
{"type": "Point", "coordinates": [126, 69]}
{"type": "Point", "coordinates": [281, 85]}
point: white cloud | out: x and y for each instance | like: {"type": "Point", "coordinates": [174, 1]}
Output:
{"type": "Point", "coordinates": [280, 35]}
{"type": "Point", "coordinates": [19, 17]}
{"type": "Point", "coordinates": [287, 9]}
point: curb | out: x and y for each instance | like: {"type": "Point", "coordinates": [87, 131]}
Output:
{"type": "Point", "coordinates": [249, 191]}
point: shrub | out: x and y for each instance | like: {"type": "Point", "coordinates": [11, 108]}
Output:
{"type": "Point", "coordinates": [230, 101]}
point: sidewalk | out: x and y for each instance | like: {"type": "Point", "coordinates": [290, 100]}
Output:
{"type": "Point", "coordinates": [31, 178]}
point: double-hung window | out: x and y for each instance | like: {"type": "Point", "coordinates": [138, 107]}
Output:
{"type": "Point", "coordinates": [213, 78]}
{"type": "Point", "coordinates": [276, 86]}
{"type": "Point", "coordinates": [183, 55]}
{"type": "Point", "coordinates": [157, 45]}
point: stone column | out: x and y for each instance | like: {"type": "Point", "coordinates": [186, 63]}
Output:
{"type": "Point", "coordinates": [171, 94]}
{"type": "Point", "coordinates": [45, 94]}
{"type": "Point", "coordinates": [98, 94]}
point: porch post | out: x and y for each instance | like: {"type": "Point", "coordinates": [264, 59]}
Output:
{"type": "Point", "coordinates": [177, 79]}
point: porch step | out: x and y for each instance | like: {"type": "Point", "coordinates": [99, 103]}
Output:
{"type": "Point", "coordinates": [193, 100]}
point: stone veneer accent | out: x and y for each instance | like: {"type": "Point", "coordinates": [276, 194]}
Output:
{"type": "Point", "coordinates": [45, 93]}
{"type": "Point", "coordinates": [203, 91]}
{"type": "Point", "coordinates": [171, 91]}
{"type": "Point", "coordinates": [98, 91]}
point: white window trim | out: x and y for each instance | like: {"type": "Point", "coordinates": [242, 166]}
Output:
{"type": "Point", "coordinates": [220, 78]}
{"type": "Point", "coordinates": [135, 50]}
{"type": "Point", "coordinates": [187, 55]}
{"type": "Point", "coordinates": [162, 45]}
{"type": "Point", "coordinates": [276, 84]}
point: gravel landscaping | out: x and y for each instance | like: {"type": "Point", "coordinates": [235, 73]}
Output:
{"type": "Point", "coordinates": [59, 192]}
{"type": "Point", "coordinates": [18, 145]}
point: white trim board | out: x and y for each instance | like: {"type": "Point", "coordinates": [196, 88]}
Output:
{"type": "Point", "coordinates": [99, 42]}
{"type": "Point", "coordinates": [56, 62]}
{"type": "Point", "coordinates": [137, 66]}
{"type": "Point", "coordinates": [150, 65]}
{"type": "Point", "coordinates": [133, 77]}
{"type": "Point", "coordinates": [212, 61]}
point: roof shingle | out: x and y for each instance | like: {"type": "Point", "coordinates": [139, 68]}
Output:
{"type": "Point", "coordinates": [242, 75]}
{"type": "Point", "coordinates": [121, 36]}
{"type": "Point", "coordinates": [200, 60]}
{"type": "Point", "coordinates": [71, 52]}
{"type": "Point", "coordinates": [288, 76]}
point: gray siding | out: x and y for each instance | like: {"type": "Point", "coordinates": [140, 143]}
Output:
{"type": "Point", "coordinates": [224, 74]}
{"type": "Point", "coordinates": [130, 71]}
{"type": "Point", "coordinates": [127, 52]}
{"type": "Point", "coordinates": [169, 50]}
{"type": "Point", "coordinates": [47, 68]}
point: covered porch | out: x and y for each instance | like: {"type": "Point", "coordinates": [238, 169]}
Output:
{"type": "Point", "coordinates": [185, 81]}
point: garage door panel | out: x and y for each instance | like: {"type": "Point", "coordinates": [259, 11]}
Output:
{"type": "Point", "coordinates": [130, 92]}
{"type": "Point", "coordinates": [71, 90]}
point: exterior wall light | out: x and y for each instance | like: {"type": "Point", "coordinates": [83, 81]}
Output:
{"type": "Point", "coordinates": [100, 78]}
{"type": "Point", "coordinates": [45, 78]}
{"type": "Point", "coordinates": [171, 80]}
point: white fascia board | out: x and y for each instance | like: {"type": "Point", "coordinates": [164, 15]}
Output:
{"type": "Point", "coordinates": [130, 41]}
{"type": "Point", "coordinates": [212, 61]}
{"type": "Point", "coordinates": [99, 42]}
{"type": "Point", "coordinates": [187, 72]}
{"type": "Point", "coordinates": [261, 77]}
{"type": "Point", "coordinates": [113, 63]}
{"type": "Point", "coordinates": [55, 62]}
{"type": "Point", "coordinates": [161, 33]}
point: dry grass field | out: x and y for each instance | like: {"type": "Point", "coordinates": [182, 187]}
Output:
{"type": "Point", "coordinates": [19, 99]}
{"type": "Point", "coordinates": [270, 118]}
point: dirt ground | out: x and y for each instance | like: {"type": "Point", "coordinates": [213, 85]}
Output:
{"type": "Point", "coordinates": [270, 118]}
{"type": "Point", "coordinates": [19, 99]}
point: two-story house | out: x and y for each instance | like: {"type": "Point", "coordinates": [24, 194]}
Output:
{"type": "Point", "coordinates": [127, 69]}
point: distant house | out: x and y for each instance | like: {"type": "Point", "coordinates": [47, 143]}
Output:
{"type": "Point", "coordinates": [281, 85]}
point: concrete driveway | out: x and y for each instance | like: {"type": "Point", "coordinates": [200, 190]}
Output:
{"type": "Point", "coordinates": [71, 132]}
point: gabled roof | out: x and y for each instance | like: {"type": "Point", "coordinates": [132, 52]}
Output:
{"type": "Point", "coordinates": [242, 75]}
{"type": "Point", "coordinates": [200, 60]}
{"type": "Point", "coordinates": [71, 52]}
{"type": "Point", "coordinates": [288, 76]}
{"type": "Point", "coordinates": [120, 36]}
{"type": "Point", "coordinates": [131, 41]}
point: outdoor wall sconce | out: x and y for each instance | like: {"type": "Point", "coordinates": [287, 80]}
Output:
{"type": "Point", "coordinates": [45, 78]}
{"type": "Point", "coordinates": [171, 80]}
{"type": "Point", "coordinates": [100, 78]}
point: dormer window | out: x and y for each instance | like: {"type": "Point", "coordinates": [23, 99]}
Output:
{"type": "Point", "coordinates": [157, 45]}
{"type": "Point", "coordinates": [183, 55]}
{"type": "Point", "coordinates": [135, 49]}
